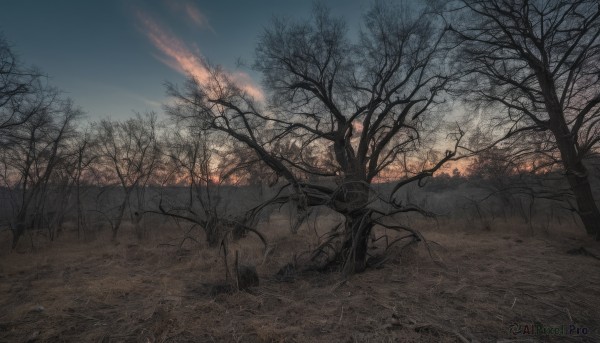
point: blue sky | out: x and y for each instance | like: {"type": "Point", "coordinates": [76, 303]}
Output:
{"type": "Point", "coordinates": [112, 57]}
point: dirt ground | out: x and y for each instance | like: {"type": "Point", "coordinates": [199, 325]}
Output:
{"type": "Point", "coordinates": [479, 286]}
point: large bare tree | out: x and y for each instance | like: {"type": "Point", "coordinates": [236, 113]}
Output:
{"type": "Point", "coordinates": [537, 64]}
{"type": "Point", "coordinates": [340, 110]}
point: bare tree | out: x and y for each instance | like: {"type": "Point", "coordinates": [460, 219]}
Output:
{"type": "Point", "coordinates": [191, 157]}
{"type": "Point", "coordinates": [340, 111]}
{"type": "Point", "coordinates": [79, 173]}
{"type": "Point", "coordinates": [538, 64]}
{"type": "Point", "coordinates": [33, 156]}
{"type": "Point", "coordinates": [20, 90]}
{"type": "Point", "coordinates": [130, 153]}
{"type": "Point", "coordinates": [37, 129]}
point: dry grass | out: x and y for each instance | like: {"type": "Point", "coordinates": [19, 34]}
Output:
{"type": "Point", "coordinates": [146, 292]}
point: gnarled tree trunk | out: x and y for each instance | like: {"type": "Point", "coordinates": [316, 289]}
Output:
{"type": "Point", "coordinates": [577, 173]}
{"type": "Point", "coordinates": [354, 250]}
{"type": "Point", "coordinates": [354, 199]}
{"type": "Point", "coordinates": [578, 177]}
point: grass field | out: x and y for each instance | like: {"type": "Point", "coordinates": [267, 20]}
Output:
{"type": "Point", "coordinates": [474, 286]}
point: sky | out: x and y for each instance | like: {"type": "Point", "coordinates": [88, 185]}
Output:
{"type": "Point", "coordinates": [112, 57]}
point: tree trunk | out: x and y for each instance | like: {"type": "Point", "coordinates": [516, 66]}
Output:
{"type": "Point", "coordinates": [80, 220]}
{"type": "Point", "coordinates": [115, 229]}
{"type": "Point", "coordinates": [576, 171]}
{"type": "Point", "coordinates": [578, 177]}
{"type": "Point", "coordinates": [212, 230]}
{"type": "Point", "coordinates": [353, 203]}
{"type": "Point", "coordinates": [19, 228]}
{"type": "Point", "coordinates": [586, 205]}
{"type": "Point", "coordinates": [354, 249]}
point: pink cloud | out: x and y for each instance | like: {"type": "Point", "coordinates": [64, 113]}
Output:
{"type": "Point", "coordinates": [245, 82]}
{"type": "Point", "coordinates": [197, 17]}
{"type": "Point", "coordinates": [192, 13]}
{"type": "Point", "coordinates": [178, 56]}
{"type": "Point", "coordinates": [176, 53]}
{"type": "Point", "coordinates": [358, 126]}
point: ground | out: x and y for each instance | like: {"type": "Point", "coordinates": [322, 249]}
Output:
{"type": "Point", "coordinates": [470, 285]}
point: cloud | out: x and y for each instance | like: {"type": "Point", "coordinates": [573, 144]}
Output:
{"type": "Point", "coordinates": [357, 126]}
{"type": "Point", "coordinates": [197, 17]}
{"type": "Point", "coordinates": [245, 82]}
{"type": "Point", "coordinates": [176, 53]}
{"type": "Point", "coordinates": [191, 13]}
{"type": "Point", "coordinates": [180, 57]}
